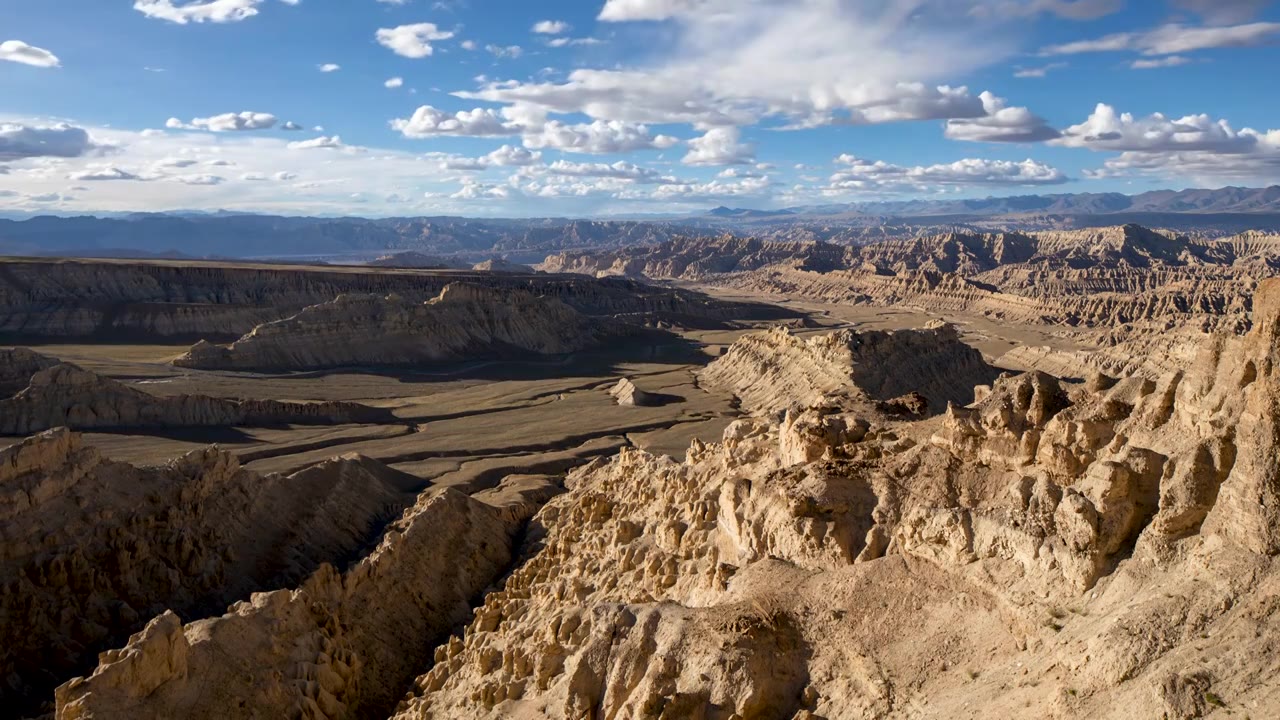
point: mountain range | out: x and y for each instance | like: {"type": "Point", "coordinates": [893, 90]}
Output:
{"type": "Point", "coordinates": [234, 235]}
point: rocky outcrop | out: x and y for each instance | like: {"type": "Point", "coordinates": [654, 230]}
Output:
{"type": "Point", "coordinates": [697, 258]}
{"type": "Point", "coordinates": [344, 644]}
{"type": "Point", "coordinates": [91, 549]}
{"type": "Point", "coordinates": [1052, 550]}
{"type": "Point", "coordinates": [17, 365]}
{"type": "Point", "coordinates": [627, 394]}
{"type": "Point", "coordinates": [143, 300]}
{"type": "Point", "coordinates": [465, 322]}
{"type": "Point", "coordinates": [775, 370]}
{"type": "Point", "coordinates": [65, 395]}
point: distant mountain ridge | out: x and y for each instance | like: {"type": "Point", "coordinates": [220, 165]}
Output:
{"type": "Point", "coordinates": [224, 234]}
{"type": "Point", "coordinates": [1221, 200]}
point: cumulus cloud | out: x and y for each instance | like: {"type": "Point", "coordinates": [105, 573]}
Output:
{"type": "Point", "coordinates": [619, 170]}
{"type": "Point", "coordinates": [393, 83]}
{"type": "Point", "coordinates": [505, 156]}
{"type": "Point", "coordinates": [199, 179]}
{"type": "Point", "coordinates": [329, 67]}
{"type": "Point", "coordinates": [1172, 39]}
{"type": "Point", "coordinates": [552, 27]}
{"type": "Point", "coordinates": [427, 122]}
{"type": "Point", "coordinates": [1001, 123]}
{"type": "Point", "coordinates": [218, 11]}
{"type": "Point", "coordinates": [226, 122]}
{"type": "Point", "coordinates": [291, 126]}
{"type": "Point", "coordinates": [412, 41]}
{"type": "Point", "coordinates": [320, 143]}
{"type": "Point", "coordinates": [859, 174]}
{"type": "Point", "coordinates": [736, 62]}
{"type": "Point", "coordinates": [1191, 146]}
{"type": "Point", "coordinates": [103, 173]}
{"type": "Point", "coordinates": [597, 138]}
{"type": "Point", "coordinates": [19, 141]}
{"type": "Point", "coordinates": [1107, 129]}
{"type": "Point", "coordinates": [20, 52]}
{"type": "Point", "coordinates": [720, 146]}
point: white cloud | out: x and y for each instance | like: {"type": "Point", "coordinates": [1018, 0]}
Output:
{"type": "Point", "coordinates": [412, 41]}
{"type": "Point", "coordinates": [320, 143]}
{"type": "Point", "coordinates": [560, 42]}
{"type": "Point", "coordinates": [719, 146]}
{"type": "Point", "coordinates": [811, 62]}
{"type": "Point", "coordinates": [199, 179]}
{"type": "Point", "coordinates": [218, 11]}
{"type": "Point", "coordinates": [505, 156]}
{"type": "Point", "coordinates": [1163, 62]}
{"type": "Point", "coordinates": [631, 10]}
{"type": "Point", "coordinates": [552, 27]}
{"type": "Point", "coordinates": [1106, 129]}
{"type": "Point", "coordinates": [19, 141]}
{"type": "Point", "coordinates": [1172, 39]}
{"type": "Point", "coordinates": [860, 175]}
{"type": "Point", "coordinates": [619, 170]}
{"type": "Point", "coordinates": [508, 51]}
{"type": "Point", "coordinates": [393, 83]}
{"type": "Point", "coordinates": [427, 122]}
{"type": "Point", "coordinates": [597, 138]}
{"type": "Point", "coordinates": [291, 126]}
{"type": "Point", "coordinates": [226, 122]}
{"type": "Point", "coordinates": [1001, 123]}
{"type": "Point", "coordinates": [1038, 72]}
{"type": "Point", "coordinates": [20, 52]}
{"type": "Point", "coordinates": [103, 173]}
{"type": "Point", "coordinates": [1195, 146]}
{"type": "Point", "coordinates": [329, 67]}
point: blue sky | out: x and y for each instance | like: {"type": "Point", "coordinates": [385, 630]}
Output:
{"type": "Point", "coordinates": [601, 107]}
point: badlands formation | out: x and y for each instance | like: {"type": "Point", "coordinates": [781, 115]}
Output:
{"type": "Point", "coordinates": [507, 495]}
{"type": "Point", "coordinates": [464, 321]}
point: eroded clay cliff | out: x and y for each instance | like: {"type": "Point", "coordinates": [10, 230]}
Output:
{"type": "Point", "coordinates": [774, 370]}
{"type": "Point", "coordinates": [56, 394]}
{"type": "Point", "coordinates": [91, 549]}
{"type": "Point", "coordinates": [464, 322]}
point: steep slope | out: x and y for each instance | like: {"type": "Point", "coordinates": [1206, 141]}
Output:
{"type": "Point", "coordinates": [90, 549]}
{"type": "Point", "coordinates": [464, 322]}
{"type": "Point", "coordinates": [774, 370]}
{"type": "Point", "coordinates": [1051, 551]}
{"type": "Point", "coordinates": [66, 395]}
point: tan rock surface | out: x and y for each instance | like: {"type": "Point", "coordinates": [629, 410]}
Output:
{"type": "Point", "coordinates": [1051, 551]}
{"type": "Point", "coordinates": [90, 549]}
{"type": "Point", "coordinates": [773, 370]}
{"type": "Point", "coordinates": [464, 322]}
{"type": "Point", "coordinates": [65, 395]}
{"type": "Point", "coordinates": [341, 645]}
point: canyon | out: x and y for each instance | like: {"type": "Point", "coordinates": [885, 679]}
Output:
{"type": "Point", "coordinates": [962, 475]}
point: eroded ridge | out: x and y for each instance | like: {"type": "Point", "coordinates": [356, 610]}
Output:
{"type": "Point", "coordinates": [91, 549]}
{"type": "Point", "coordinates": [1050, 550]}
{"type": "Point", "coordinates": [57, 394]}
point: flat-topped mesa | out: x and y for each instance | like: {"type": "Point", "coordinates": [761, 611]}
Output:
{"type": "Point", "coordinates": [90, 549]}
{"type": "Point", "coordinates": [774, 370]}
{"type": "Point", "coordinates": [66, 395]}
{"type": "Point", "coordinates": [465, 321]}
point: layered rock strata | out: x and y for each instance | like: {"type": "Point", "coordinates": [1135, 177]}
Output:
{"type": "Point", "coordinates": [66, 395]}
{"type": "Point", "coordinates": [464, 322]}
{"type": "Point", "coordinates": [221, 302]}
{"type": "Point", "coordinates": [1052, 550]}
{"type": "Point", "coordinates": [773, 370]}
{"type": "Point", "coordinates": [91, 549]}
